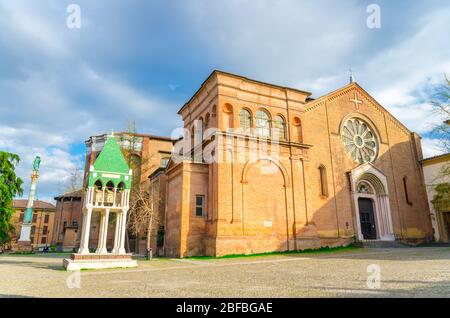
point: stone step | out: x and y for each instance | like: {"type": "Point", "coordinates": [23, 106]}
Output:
{"type": "Point", "coordinates": [434, 244]}
{"type": "Point", "coordinates": [382, 244]}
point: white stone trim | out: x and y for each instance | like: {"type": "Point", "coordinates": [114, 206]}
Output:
{"type": "Point", "coordinates": [382, 209]}
{"type": "Point", "coordinates": [25, 233]}
{"type": "Point", "coordinates": [104, 221]}
{"type": "Point", "coordinates": [84, 246]}
{"type": "Point", "coordinates": [123, 225]}
{"type": "Point", "coordinates": [117, 233]}
{"type": "Point", "coordinates": [72, 265]}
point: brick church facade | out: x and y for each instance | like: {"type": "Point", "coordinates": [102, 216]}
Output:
{"type": "Point", "coordinates": [267, 168]}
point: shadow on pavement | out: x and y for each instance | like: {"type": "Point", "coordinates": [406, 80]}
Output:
{"type": "Point", "coordinates": [34, 264]}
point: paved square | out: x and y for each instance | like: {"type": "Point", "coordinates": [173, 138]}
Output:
{"type": "Point", "coordinates": [405, 272]}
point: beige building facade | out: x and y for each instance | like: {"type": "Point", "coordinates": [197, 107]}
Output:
{"type": "Point", "coordinates": [42, 222]}
{"type": "Point", "coordinates": [267, 168]}
{"type": "Point", "coordinates": [437, 178]}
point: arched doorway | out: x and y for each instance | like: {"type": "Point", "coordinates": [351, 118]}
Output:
{"type": "Point", "coordinates": [372, 211]}
{"type": "Point", "coordinates": [367, 218]}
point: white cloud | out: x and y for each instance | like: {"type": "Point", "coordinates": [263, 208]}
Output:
{"type": "Point", "coordinates": [399, 74]}
{"type": "Point", "coordinates": [55, 169]}
{"type": "Point", "coordinates": [119, 95]}
{"type": "Point", "coordinates": [286, 42]}
{"type": "Point", "coordinates": [28, 22]}
{"type": "Point", "coordinates": [51, 98]}
{"type": "Point", "coordinates": [417, 117]}
{"type": "Point", "coordinates": [11, 137]}
{"type": "Point", "coordinates": [431, 147]}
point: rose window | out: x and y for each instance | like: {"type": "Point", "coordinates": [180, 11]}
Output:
{"type": "Point", "coordinates": [359, 141]}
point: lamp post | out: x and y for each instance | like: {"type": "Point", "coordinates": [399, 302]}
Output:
{"type": "Point", "coordinates": [24, 243]}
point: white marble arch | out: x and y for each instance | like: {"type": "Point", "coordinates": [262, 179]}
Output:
{"type": "Point", "coordinates": [379, 195]}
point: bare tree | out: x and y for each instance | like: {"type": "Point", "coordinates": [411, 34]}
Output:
{"type": "Point", "coordinates": [130, 141]}
{"type": "Point", "coordinates": [441, 107]}
{"type": "Point", "coordinates": [129, 145]}
{"type": "Point", "coordinates": [75, 179]}
{"type": "Point", "coordinates": [143, 214]}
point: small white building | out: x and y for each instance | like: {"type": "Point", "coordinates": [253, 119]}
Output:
{"type": "Point", "coordinates": [436, 172]}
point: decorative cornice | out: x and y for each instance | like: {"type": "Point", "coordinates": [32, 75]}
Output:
{"type": "Point", "coordinates": [366, 96]}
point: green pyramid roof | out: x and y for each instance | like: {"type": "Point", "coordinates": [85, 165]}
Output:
{"type": "Point", "coordinates": [110, 166]}
{"type": "Point", "coordinates": [111, 158]}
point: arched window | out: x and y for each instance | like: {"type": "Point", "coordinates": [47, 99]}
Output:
{"type": "Point", "coordinates": [120, 186]}
{"type": "Point", "coordinates": [245, 121]}
{"type": "Point", "coordinates": [98, 185]}
{"type": "Point", "coordinates": [98, 191]}
{"type": "Point", "coordinates": [405, 187]}
{"type": "Point", "coordinates": [110, 186]}
{"type": "Point", "coordinates": [280, 127]}
{"type": "Point", "coordinates": [262, 124]}
{"type": "Point", "coordinates": [323, 181]}
{"type": "Point", "coordinates": [198, 124]}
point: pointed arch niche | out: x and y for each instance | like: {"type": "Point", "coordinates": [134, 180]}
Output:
{"type": "Point", "coordinates": [368, 184]}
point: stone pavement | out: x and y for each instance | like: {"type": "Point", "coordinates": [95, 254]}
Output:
{"type": "Point", "coordinates": [404, 272]}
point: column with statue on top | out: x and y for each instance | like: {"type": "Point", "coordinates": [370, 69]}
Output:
{"type": "Point", "coordinates": [107, 193]}
{"type": "Point", "coordinates": [24, 242]}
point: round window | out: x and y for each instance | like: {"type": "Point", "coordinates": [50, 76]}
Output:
{"type": "Point", "coordinates": [359, 140]}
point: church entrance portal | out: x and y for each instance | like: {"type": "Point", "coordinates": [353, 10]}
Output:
{"type": "Point", "coordinates": [367, 219]}
{"type": "Point", "coordinates": [372, 212]}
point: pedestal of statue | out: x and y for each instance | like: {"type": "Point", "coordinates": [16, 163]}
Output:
{"type": "Point", "coordinates": [23, 246]}
{"type": "Point", "coordinates": [98, 261]}
{"type": "Point", "coordinates": [24, 242]}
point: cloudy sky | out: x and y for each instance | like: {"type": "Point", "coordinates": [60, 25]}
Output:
{"type": "Point", "coordinates": [141, 60]}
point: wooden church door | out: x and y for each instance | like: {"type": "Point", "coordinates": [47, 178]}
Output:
{"type": "Point", "coordinates": [367, 219]}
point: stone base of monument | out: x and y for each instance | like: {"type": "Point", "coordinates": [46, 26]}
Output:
{"type": "Point", "coordinates": [98, 261]}
{"type": "Point", "coordinates": [24, 242]}
{"type": "Point", "coordinates": [23, 246]}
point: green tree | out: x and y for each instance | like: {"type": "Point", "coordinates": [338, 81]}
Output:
{"type": "Point", "coordinates": [10, 186]}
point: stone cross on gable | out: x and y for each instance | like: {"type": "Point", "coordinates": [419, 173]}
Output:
{"type": "Point", "coordinates": [356, 101]}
